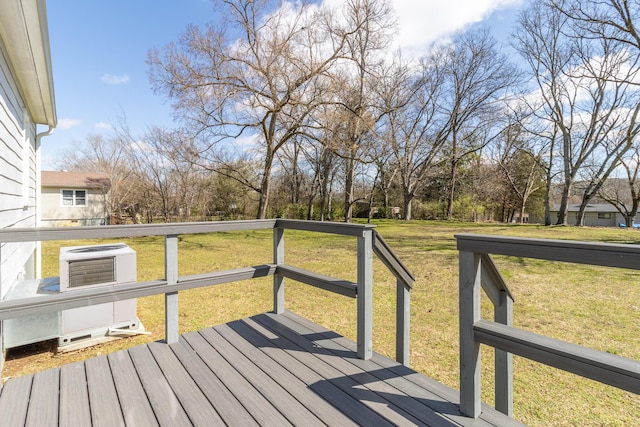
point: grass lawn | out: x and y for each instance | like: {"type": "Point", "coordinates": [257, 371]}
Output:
{"type": "Point", "coordinates": [591, 306]}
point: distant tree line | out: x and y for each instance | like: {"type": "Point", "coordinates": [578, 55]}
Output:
{"type": "Point", "coordinates": [304, 111]}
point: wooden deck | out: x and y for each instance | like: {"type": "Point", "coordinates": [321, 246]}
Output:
{"type": "Point", "coordinates": [271, 370]}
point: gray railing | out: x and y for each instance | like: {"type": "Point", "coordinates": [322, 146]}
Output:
{"type": "Point", "coordinates": [369, 242]}
{"type": "Point", "coordinates": [477, 271]}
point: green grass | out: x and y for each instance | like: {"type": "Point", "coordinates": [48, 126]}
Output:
{"type": "Point", "coordinates": [586, 305]}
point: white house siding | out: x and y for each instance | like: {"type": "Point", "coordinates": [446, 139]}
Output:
{"type": "Point", "coordinates": [18, 176]}
{"type": "Point", "coordinates": [591, 219]}
{"type": "Point", "coordinates": [54, 214]}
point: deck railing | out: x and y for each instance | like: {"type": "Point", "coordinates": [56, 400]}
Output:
{"type": "Point", "coordinates": [369, 242]}
{"type": "Point", "coordinates": [477, 271]}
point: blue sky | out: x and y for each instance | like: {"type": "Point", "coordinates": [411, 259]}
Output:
{"type": "Point", "coordinates": [99, 48]}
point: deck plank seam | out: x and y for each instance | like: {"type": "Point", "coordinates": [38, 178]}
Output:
{"type": "Point", "coordinates": [440, 417]}
{"type": "Point", "coordinates": [219, 379]}
{"type": "Point", "coordinates": [365, 415]}
{"type": "Point", "coordinates": [300, 386]}
{"type": "Point", "coordinates": [369, 389]}
{"type": "Point", "coordinates": [331, 340]}
{"type": "Point", "coordinates": [209, 380]}
{"type": "Point", "coordinates": [267, 364]}
{"type": "Point", "coordinates": [115, 366]}
{"type": "Point", "coordinates": [169, 408]}
{"type": "Point", "coordinates": [263, 382]}
{"type": "Point", "coordinates": [443, 392]}
{"type": "Point", "coordinates": [247, 395]}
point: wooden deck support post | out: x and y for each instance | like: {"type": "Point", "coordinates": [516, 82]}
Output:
{"type": "Point", "coordinates": [278, 279]}
{"type": "Point", "coordinates": [365, 295]}
{"type": "Point", "coordinates": [469, 306]}
{"type": "Point", "coordinates": [171, 327]}
{"type": "Point", "coordinates": [403, 322]}
{"type": "Point", "coordinates": [503, 314]}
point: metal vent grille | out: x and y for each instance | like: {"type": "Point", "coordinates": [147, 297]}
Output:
{"type": "Point", "coordinates": [91, 271]}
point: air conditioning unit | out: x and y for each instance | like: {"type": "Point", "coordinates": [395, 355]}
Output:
{"type": "Point", "coordinates": [83, 267]}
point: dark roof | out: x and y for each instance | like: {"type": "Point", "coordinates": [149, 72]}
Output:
{"type": "Point", "coordinates": [75, 179]}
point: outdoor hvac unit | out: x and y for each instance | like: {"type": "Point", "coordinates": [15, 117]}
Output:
{"type": "Point", "coordinates": [83, 267]}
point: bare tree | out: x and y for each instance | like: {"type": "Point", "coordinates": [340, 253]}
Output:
{"type": "Point", "coordinates": [606, 19]}
{"type": "Point", "coordinates": [155, 171]}
{"type": "Point", "coordinates": [353, 84]}
{"type": "Point", "coordinates": [409, 101]}
{"type": "Point", "coordinates": [624, 194]}
{"type": "Point", "coordinates": [584, 84]}
{"type": "Point", "coordinates": [521, 163]}
{"type": "Point", "coordinates": [477, 80]}
{"type": "Point", "coordinates": [257, 73]}
{"type": "Point", "coordinates": [106, 155]}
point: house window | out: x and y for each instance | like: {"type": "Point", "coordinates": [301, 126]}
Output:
{"type": "Point", "coordinates": [604, 215]}
{"type": "Point", "coordinates": [74, 197]}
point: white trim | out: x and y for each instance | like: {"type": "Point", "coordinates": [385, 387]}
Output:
{"type": "Point", "coordinates": [25, 32]}
{"type": "Point", "coordinates": [74, 204]}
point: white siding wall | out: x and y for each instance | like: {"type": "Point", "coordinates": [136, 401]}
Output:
{"type": "Point", "coordinates": [18, 173]}
{"type": "Point", "coordinates": [54, 214]}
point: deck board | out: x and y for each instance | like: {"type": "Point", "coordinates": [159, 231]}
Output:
{"type": "Point", "coordinates": [74, 396]}
{"type": "Point", "coordinates": [407, 410]}
{"type": "Point", "coordinates": [14, 400]}
{"type": "Point", "coordinates": [136, 408]}
{"type": "Point", "coordinates": [43, 403]}
{"type": "Point", "coordinates": [330, 394]}
{"type": "Point", "coordinates": [257, 404]}
{"type": "Point", "coordinates": [345, 376]}
{"type": "Point", "coordinates": [219, 396]}
{"type": "Point", "coordinates": [268, 370]}
{"type": "Point", "coordinates": [438, 397]}
{"type": "Point", "coordinates": [103, 397]}
{"type": "Point", "coordinates": [278, 395]}
{"type": "Point", "coordinates": [192, 399]}
{"type": "Point", "coordinates": [166, 406]}
{"type": "Point", "coordinates": [276, 368]}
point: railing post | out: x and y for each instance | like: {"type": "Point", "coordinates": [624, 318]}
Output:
{"type": "Point", "coordinates": [469, 306]}
{"type": "Point", "coordinates": [171, 327]}
{"type": "Point", "coordinates": [278, 279]}
{"type": "Point", "coordinates": [403, 322]}
{"type": "Point", "coordinates": [503, 313]}
{"type": "Point", "coordinates": [365, 294]}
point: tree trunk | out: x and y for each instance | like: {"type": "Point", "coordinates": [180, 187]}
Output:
{"type": "Point", "coordinates": [564, 206]}
{"type": "Point", "coordinates": [581, 212]}
{"type": "Point", "coordinates": [348, 190]}
{"type": "Point", "coordinates": [407, 207]}
{"type": "Point", "coordinates": [452, 188]}
{"type": "Point", "coordinates": [265, 186]}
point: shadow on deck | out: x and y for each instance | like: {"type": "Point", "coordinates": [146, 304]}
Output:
{"type": "Point", "coordinates": [265, 370]}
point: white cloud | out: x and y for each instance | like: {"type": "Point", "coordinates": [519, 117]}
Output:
{"type": "Point", "coordinates": [103, 125]}
{"type": "Point", "coordinates": [68, 123]}
{"type": "Point", "coordinates": [112, 79]}
{"type": "Point", "coordinates": [420, 22]}
{"type": "Point", "coordinates": [248, 141]}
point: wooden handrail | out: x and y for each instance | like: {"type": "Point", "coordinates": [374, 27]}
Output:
{"type": "Point", "coordinates": [478, 271]}
{"type": "Point", "coordinates": [391, 260]}
{"type": "Point", "coordinates": [173, 283]}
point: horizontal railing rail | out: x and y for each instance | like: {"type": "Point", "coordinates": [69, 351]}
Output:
{"type": "Point", "coordinates": [173, 283]}
{"type": "Point", "coordinates": [477, 271]}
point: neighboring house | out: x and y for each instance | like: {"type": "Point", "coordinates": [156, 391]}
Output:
{"type": "Point", "coordinates": [26, 100]}
{"type": "Point", "coordinates": [596, 215]}
{"type": "Point", "coordinates": [74, 198]}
